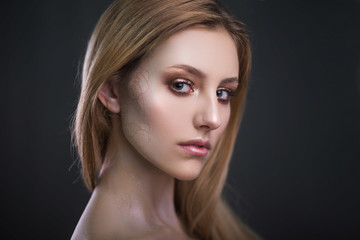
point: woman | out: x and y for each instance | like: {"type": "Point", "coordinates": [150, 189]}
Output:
{"type": "Point", "coordinates": [163, 89]}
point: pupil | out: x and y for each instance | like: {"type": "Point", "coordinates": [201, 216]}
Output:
{"type": "Point", "coordinates": [179, 85]}
{"type": "Point", "coordinates": [218, 93]}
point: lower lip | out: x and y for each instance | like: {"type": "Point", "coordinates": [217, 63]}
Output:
{"type": "Point", "coordinates": [195, 150]}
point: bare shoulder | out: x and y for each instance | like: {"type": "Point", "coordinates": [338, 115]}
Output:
{"type": "Point", "coordinates": [98, 221]}
{"type": "Point", "coordinates": [105, 217]}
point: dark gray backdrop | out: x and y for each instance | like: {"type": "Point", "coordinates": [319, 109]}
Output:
{"type": "Point", "coordinates": [295, 171]}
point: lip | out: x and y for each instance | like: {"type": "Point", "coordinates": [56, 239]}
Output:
{"type": "Point", "coordinates": [196, 147]}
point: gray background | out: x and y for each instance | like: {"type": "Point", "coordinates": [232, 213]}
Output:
{"type": "Point", "coordinates": [295, 171]}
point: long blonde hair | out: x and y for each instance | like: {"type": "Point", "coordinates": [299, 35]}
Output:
{"type": "Point", "coordinates": [126, 33]}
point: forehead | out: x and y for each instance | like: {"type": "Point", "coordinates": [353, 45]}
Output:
{"type": "Point", "coordinates": [212, 51]}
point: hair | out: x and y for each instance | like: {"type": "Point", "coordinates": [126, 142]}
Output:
{"type": "Point", "coordinates": [127, 32]}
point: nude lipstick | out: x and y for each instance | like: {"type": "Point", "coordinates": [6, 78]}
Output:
{"type": "Point", "coordinates": [198, 147]}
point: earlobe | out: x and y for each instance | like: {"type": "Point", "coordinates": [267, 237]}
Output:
{"type": "Point", "coordinates": [109, 97]}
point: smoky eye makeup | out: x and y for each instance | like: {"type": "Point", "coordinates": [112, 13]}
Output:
{"type": "Point", "coordinates": [224, 95]}
{"type": "Point", "coordinates": [226, 91]}
{"type": "Point", "coordinates": [181, 86]}
{"type": "Point", "coordinates": [179, 83]}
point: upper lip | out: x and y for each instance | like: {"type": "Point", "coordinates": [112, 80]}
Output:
{"type": "Point", "coordinates": [198, 142]}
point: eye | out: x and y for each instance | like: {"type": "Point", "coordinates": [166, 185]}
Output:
{"type": "Point", "coordinates": [181, 86]}
{"type": "Point", "coordinates": [224, 95]}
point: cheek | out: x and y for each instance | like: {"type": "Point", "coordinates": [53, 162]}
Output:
{"type": "Point", "coordinates": [134, 119]}
{"type": "Point", "coordinates": [169, 116]}
{"type": "Point", "coordinates": [134, 125]}
{"type": "Point", "coordinates": [225, 115]}
{"type": "Point", "coordinates": [153, 121]}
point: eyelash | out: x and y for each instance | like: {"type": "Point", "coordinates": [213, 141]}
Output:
{"type": "Point", "coordinates": [190, 85]}
{"type": "Point", "coordinates": [181, 81]}
{"type": "Point", "coordinates": [229, 92]}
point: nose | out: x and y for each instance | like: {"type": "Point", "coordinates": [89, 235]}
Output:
{"type": "Point", "coordinates": [208, 115]}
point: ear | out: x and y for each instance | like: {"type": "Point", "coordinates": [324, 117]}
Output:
{"type": "Point", "coordinates": [109, 96]}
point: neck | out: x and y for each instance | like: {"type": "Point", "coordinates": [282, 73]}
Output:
{"type": "Point", "coordinates": [141, 190]}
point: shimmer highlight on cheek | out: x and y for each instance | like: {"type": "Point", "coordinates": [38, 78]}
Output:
{"type": "Point", "coordinates": [138, 85]}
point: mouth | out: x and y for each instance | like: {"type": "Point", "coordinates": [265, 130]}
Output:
{"type": "Point", "coordinates": [197, 147]}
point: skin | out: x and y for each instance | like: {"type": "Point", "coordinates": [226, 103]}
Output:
{"type": "Point", "coordinates": [179, 93]}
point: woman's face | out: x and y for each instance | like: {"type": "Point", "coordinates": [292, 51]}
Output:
{"type": "Point", "coordinates": [176, 106]}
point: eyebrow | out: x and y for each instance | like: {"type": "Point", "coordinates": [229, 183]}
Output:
{"type": "Point", "coordinates": [230, 80]}
{"type": "Point", "coordinates": [196, 72]}
{"type": "Point", "coordinates": [191, 70]}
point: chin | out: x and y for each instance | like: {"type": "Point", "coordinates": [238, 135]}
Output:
{"type": "Point", "coordinates": [190, 171]}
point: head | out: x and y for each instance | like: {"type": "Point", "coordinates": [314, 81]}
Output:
{"type": "Point", "coordinates": [128, 33]}
{"type": "Point", "coordinates": [173, 108]}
